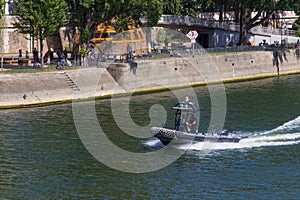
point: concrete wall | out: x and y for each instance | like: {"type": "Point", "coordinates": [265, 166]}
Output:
{"type": "Point", "coordinates": [203, 69]}
{"type": "Point", "coordinates": [36, 88]}
{"type": "Point", "coordinates": [223, 38]}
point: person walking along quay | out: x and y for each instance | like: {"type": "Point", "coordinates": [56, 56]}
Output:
{"type": "Point", "coordinates": [35, 58]}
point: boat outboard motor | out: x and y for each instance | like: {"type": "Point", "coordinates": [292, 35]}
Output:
{"type": "Point", "coordinates": [224, 132]}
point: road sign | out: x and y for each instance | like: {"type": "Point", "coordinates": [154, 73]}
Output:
{"type": "Point", "coordinates": [192, 34]}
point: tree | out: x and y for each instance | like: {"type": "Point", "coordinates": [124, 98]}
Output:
{"type": "Point", "coordinates": [40, 19]}
{"type": "Point", "coordinates": [217, 5]}
{"type": "Point", "coordinates": [84, 12]}
{"type": "Point", "coordinates": [181, 7]}
{"type": "Point", "coordinates": [2, 5]}
{"type": "Point", "coordinates": [121, 13]}
{"type": "Point", "coordinates": [250, 13]}
{"type": "Point", "coordinates": [295, 4]}
{"type": "Point", "coordinates": [172, 7]}
{"type": "Point", "coordinates": [189, 7]}
{"type": "Point", "coordinates": [222, 7]}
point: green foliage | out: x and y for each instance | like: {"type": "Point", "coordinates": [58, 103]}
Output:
{"type": "Point", "coordinates": [122, 13]}
{"type": "Point", "coordinates": [68, 48]}
{"type": "Point", "coordinates": [296, 25]}
{"type": "Point", "coordinates": [82, 51]}
{"type": "Point", "coordinates": [243, 10]}
{"type": "Point", "coordinates": [298, 33]}
{"type": "Point", "coordinates": [40, 18]}
{"type": "Point", "coordinates": [87, 3]}
{"type": "Point", "coordinates": [2, 4]}
{"type": "Point", "coordinates": [172, 7]}
{"type": "Point", "coordinates": [189, 7]}
{"type": "Point", "coordinates": [153, 9]}
{"type": "Point", "coordinates": [181, 7]}
{"type": "Point", "coordinates": [85, 36]}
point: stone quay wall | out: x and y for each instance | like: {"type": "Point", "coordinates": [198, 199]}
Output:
{"type": "Point", "coordinates": [31, 89]}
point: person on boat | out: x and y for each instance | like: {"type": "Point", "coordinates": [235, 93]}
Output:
{"type": "Point", "coordinates": [189, 104]}
{"type": "Point", "coordinates": [191, 124]}
{"type": "Point", "coordinates": [185, 120]}
{"type": "Point", "coordinates": [180, 123]}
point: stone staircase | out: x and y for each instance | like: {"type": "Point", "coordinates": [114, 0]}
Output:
{"type": "Point", "coordinates": [69, 81]}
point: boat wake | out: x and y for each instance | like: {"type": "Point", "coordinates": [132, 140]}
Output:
{"type": "Point", "coordinates": [286, 134]}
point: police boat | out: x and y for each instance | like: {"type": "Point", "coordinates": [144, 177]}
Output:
{"type": "Point", "coordinates": [186, 128]}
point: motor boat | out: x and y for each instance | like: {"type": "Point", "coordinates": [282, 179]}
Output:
{"type": "Point", "coordinates": [167, 136]}
{"type": "Point", "coordinates": [186, 128]}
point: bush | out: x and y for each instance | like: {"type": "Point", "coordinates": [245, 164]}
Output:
{"type": "Point", "coordinates": [69, 48]}
{"type": "Point", "coordinates": [82, 51]}
{"type": "Point", "coordinates": [298, 33]}
{"type": "Point", "coordinates": [85, 35]}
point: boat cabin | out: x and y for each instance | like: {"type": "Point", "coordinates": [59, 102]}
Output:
{"type": "Point", "coordinates": [186, 116]}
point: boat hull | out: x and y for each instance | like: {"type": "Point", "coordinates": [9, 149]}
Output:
{"type": "Point", "coordinates": [167, 136]}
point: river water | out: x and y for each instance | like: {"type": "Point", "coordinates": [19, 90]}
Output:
{"type": "Point", "coordinates": [42, 156]}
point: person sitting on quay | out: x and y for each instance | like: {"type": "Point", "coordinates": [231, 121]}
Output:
{"type": "Point", "coordinates": [51, 53]}
{"type": "Point", "coordinates": [47, 57]}
{"type": "Point", "coordinates": [26, 55]}
{"type": "Point", "coordinates": [68, 62]}
{"type": "Point", "coordinates": [59, 54]}
{"type": "Point", "coordinates": [61, 64]}
{"type": "Point", "coordinates": [23, 60]}
{"type": "Point", "coordinates": [20, 61]}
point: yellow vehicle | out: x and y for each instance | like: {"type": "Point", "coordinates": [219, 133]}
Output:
{"type": "Point", "coordinates": [103, 33]}
{"type": "Point", "coordinates": [132, 40]}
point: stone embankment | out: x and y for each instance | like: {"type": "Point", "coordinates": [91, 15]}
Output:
{"type": "Point", "coordinates": [28, 89]}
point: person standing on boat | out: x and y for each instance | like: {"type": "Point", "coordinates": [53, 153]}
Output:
{"type": "Point", "coordinates": [180, 126]}
{"type": "Point", "coordinates": [189, 104]}
{"type": "Point", "coordinates": [186, 120]}
{"type": "Point", "coordinates": [191, 124]}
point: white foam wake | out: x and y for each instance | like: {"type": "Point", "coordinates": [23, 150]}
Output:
{"type": "Point", "coordinates": [286, 127]}
{"type": "Point", "coordinates": [279, 140]}
{"type": "Point", "coordinates": [286, 134]}
{"type": "Point", "coordinates": [281, 137]}
{"type": "Point", "coordinates": [153, 143]}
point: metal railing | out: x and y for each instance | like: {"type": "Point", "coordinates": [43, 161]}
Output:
{"type": "Point", "coordinates": [267, 31]}
{"type": "Point", "coordinates": [192, 21]}
{"type": "Point", "coordinates": [235, 49]}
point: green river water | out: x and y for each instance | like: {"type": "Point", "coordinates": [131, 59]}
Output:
{"type": "Point", "coordinates": [43, 157]}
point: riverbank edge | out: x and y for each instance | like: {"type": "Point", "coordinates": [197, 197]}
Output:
{"type": "Point", "coordinates": [147, 91]}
